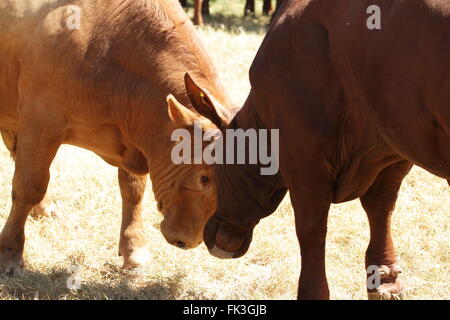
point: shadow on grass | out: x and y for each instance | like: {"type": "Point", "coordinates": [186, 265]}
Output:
{"type": "Point", "coordinates": [112, 285]}
{"type": "Point", "coordinates": [237, 24]}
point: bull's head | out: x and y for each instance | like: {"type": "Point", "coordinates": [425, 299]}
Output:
{"type": "Point", "coordinates": [244, 195]}
{"type": "Point", "coordinates": [185, 192]}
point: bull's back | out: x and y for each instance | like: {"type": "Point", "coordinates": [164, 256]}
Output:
{"type": "Point", "coordinates": [14, 18]}
{"type": "Point", "coordinates": [396, 79]}
{"type": "Point", "coordinates": [407, 80]}
{"type": "Point", "coordinates": [117, 43]}
{"type": "Point", "coordinates": [45, 55]}
{"type": "Point", "coordinates": [399, 71]}
{"type": "Point", "coordinates": [24, 26]}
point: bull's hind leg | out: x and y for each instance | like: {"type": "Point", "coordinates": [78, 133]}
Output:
{"type": "Point", "coordinates": [132, 244]}
{"type": "Point", "coordinates": [37, 144]}
{"type": "Point", "coordinates": [379, 203]}
{"type": "Point", "coordinates": [45, 208]}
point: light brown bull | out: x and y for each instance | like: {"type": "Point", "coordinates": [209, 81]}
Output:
{"type": "Point", "coordinates": [96, 74]}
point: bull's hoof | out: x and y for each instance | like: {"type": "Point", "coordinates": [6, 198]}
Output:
{"type": "Point", "coordinates": [11, 256]}
{"type": "Point", "coordinates": [44, 211]}
{"type": "Point", "coordinates": [138, 258]}
{"type": "Point", "coordinates": [390, 287]}
{"type": "Point", "coordinates": [11, 266]}
{"type": "Point", "coordinates": [382, 294]}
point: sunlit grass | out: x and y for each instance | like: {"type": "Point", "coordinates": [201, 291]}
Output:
{"type": "Point", "coordinates": [86, 234]}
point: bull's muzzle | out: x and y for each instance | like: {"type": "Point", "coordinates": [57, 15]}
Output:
{"type": "Point", "coordinates": [225, 241]}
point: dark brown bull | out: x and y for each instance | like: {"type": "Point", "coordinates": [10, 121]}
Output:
{"type": "Point", "coordinates": [356, 108]}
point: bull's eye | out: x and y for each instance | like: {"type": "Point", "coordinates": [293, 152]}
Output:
{"type": "Point", "coordinates": [204, 180]}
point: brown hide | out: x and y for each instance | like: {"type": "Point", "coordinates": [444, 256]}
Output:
{"type": "Point", "coordinates": [356, 107]}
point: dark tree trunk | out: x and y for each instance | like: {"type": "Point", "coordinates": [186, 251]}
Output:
{"type": "Point", "coordinates": [267, 7]}
{"type": "Point", "coordinates": [249, 7]}
{"type": "Point", "coordinates": [205, 8]}
{"type": "Point", "coordinates": [198, 17]}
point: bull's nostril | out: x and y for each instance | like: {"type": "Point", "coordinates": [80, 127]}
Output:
{"type": "Point", "coordinates": [181, 244]}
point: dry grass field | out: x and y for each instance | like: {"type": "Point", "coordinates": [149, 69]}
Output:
{"type": "Point", "coordinates": [86, 233]}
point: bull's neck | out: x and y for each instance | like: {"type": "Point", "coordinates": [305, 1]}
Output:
{"type": "Point", "coordinates": [249, 186]}
{"type": "Point", "coordinates": [248, 116]}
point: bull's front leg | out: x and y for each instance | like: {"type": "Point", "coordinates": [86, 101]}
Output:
{"type": "Point", "coordinates": [311, 225]}
{"type": "Point", "coordinates": [379, 202]}
{"type": "Point", "coordinates": [132, 246]}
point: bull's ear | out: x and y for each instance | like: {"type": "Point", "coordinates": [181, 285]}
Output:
{"type": "Point", "coordinates": [206, 104]}
{"type": "Point", "coordinates": [179, 114]}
